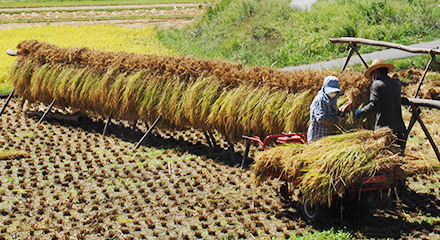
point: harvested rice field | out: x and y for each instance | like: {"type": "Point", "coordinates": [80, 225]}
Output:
{"type": "Point", "coordinates": [72, 182]}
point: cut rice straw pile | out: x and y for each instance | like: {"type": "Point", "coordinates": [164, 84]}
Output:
{"type": "Point", "coordinates": [328, 167]}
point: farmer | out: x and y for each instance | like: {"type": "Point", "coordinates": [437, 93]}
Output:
{"type": "Point", "coordinates": [385, 100]}
{"type": "Point", "coordinates": [323, 110]}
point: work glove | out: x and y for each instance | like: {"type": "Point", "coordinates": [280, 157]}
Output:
{"type": "Point", "coordinates": [357, 112]}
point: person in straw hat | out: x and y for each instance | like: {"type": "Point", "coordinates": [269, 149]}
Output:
{"type": "Point", "coordinates": [385, 99]}
{"type": "Point", "coordinates": [323, 110]}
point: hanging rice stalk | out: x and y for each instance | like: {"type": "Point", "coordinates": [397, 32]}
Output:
{"type": "Point", "coordinates": [328, 167]}
{"type": "Point", "coordinates": [186, 91]}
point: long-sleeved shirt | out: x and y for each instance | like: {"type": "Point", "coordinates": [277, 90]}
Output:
{"type": "Point", "coordinates": [323, 114]}
{"type": "Point", "coordinates": [385, 102]}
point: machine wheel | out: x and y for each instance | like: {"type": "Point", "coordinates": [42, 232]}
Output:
{"type": "Point", "coordinates": [313, 213]}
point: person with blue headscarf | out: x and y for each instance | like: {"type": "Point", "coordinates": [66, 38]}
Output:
{"type": "Point", "coordinates": [324, 110]}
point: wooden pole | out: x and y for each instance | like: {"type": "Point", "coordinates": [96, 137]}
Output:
{"type": "Point", "coordinates": [360, 56]}
{"type": "Point", "coordinates": [211, 136]}
{"type": "Point", "coordinates": [208, 139]}
{"type": "Point", "coordinates": [425, 130]}
{"type": "Point", "coordinates": [108, 122]}
{"type": "Point", "coordinates": [410, 126]}
{"type": "Point", "coordinates": [436, 64]}
{"type": "Point", "coordinates": [46, 112]}
{"type": "Point", "coordinates": [231, 149]}
{"type": "Point", "coordinates": [7, 101]}
{"type": "Point", "coordinates": [248, 146]}
{"type": "Point", "coordinates": [429, 103]}
{"type": "Point", "coordinates": [246, 153]}
{"type": "Point", "coordinates": [424, 75]}
{"type": "Point", "coordinates": [350, 53]}
{"type": "Point", "coordinates": [147, 133]}
{"type": "Point", "coordinates": [383, 44]}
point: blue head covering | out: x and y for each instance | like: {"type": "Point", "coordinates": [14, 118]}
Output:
{"type": "Point", "coordinates": [331, 84]}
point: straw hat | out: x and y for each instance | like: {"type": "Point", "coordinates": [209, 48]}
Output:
{"type": "Point", "coordinates": [376, 64]}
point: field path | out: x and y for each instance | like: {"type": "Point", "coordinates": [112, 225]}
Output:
{"type": "Point", "coordinates": [386, 54]}
{"type": "Point", "coordinates": [180, 5]}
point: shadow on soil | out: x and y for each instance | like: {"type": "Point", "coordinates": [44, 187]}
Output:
{"type": "Point", "coordinates": [407, 216]}
{"type": "Point", "coordinates": [134, 134]}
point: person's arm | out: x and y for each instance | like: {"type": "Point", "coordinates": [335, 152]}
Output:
{"type": "Point", "coordinates": [374, 103]}
{"type": "Point", "coordinates": [324, 116]}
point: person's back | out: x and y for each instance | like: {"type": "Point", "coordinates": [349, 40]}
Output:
{"type": "Point", "coordinates": [387, 91]}
{"type": "Point", "coordinates": [385, 100]}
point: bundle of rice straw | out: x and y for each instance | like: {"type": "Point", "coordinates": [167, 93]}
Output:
{"type": "Point", "coordinates": [12, 154]}
{"type": "Point", "coordinates": [329, 166]}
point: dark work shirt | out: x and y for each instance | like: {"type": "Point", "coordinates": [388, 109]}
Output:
{"type": "Point", "coordinates": [385, 102]}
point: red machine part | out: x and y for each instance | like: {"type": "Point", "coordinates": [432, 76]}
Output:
{"type": "Point", "coordinates": [280, 138]}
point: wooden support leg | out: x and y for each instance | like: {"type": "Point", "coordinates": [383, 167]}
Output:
{"type": "Point", "coordinates": [22, 102]}
{"type": "Point", "coordinates": [211, 136]}
{"type": "Point", "coordinates": [416, 117]}
{"type": "Point", "coordinates": [7, 101]}
{"type": "Point", "coordinates": [108, 122]}
{"type": "Point", "coordinates": [246, 153]}
{"type": "Point", "coordinates": [46, 112]}
{"type": "Point", "coordinates": [231, 149]}
{"type": "Point", "coordinates": [208, 139]}
{"type": "Point", "coordinates": [410, 126]}
{"type": "Point", "coordinates": [147, 133]}
{"type": "Point", "coordinates": [423, 76]}
{"type": "Point", "coordinates": [350, 53]}
{"type": "Point", "coordinates": [435, 62]}
{"type": "Point", "coordinates": [425, 130]}
{"type": "Point", "coordinates": [133, 126]}
{"type": "Point", "coordinates": [360, 56]}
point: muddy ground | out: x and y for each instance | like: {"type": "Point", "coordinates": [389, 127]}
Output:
{"type": "Point", "coordinates": [76, 182]}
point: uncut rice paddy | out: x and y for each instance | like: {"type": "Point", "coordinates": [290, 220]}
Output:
{"type": "Point", "coordinates": [78, 183]}
{"type": "Point", "coordinates": [100, 37]}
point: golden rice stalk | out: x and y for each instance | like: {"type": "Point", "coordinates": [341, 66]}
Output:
{"type": "Point", "coordinates": [185, 91]}
{"type": "Point", "coordinates": [197, 100]}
